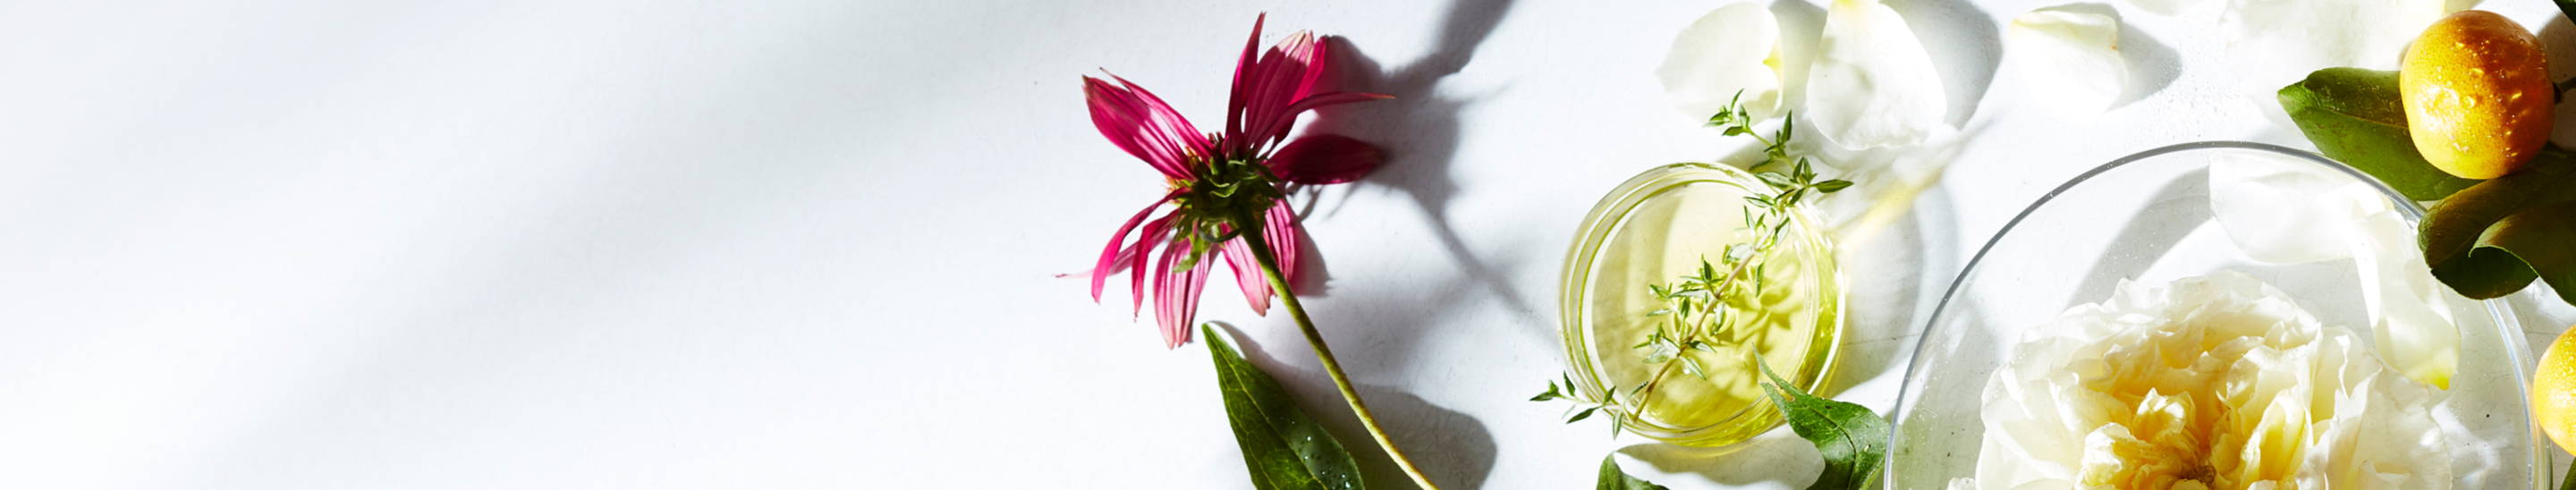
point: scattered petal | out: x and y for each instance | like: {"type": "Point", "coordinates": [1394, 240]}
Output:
{"type": "Point", "coordinates": [1884, 89]}
{"type": "Point", "coordinates": [2271, 43]}
{"type": "Point", "coordinates": [2290, 212]}
{"type": "Point", "coordinates": [1325, 159]}
{"type": "Point", "coordinates": [2286, 212]}
{"type": "Point", "coordinates": [2168, 7]}
{"type": "Point", "coordinates": [1733, 49]}
{"type": "Point", "coordinates": [2072, 58]}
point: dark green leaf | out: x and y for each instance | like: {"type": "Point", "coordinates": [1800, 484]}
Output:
{"type": "Point", "coordinates": [2567, 7]}
{"type": "Point", "coordinates": [2353, 115]}
{"type": "Point", "coordinates": [1851, 437]}
{"type": "Point", "coordinates": [1613, 479]}
{"type": "Point", "coordinates": [2570, 482]}
{"type": "Point", "coordinates": [1830, 186]}
{"type": "Point", "coordinates": [2495, 238]}
{"type": "Point", "coordinates": [1281, 447]}
{"type": "Point", "coordinates": [1579, 416]}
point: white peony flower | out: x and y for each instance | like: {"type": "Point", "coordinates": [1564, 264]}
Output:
{"type": "Point", "coordinates": [2073, 57]}
{"type": "Point", "coordinates": [2212, 382]}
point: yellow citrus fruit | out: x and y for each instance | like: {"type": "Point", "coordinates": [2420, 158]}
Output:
{"type": "Point", "coordinates": [2553, 391]}
{"type": "Point", "coordinates": [2477, 94]}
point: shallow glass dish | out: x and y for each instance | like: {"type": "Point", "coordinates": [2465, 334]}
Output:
{"type": "Point", "coordinates": [1655, 227]}
{"type": "Point", "coordinates": [2148, 217]}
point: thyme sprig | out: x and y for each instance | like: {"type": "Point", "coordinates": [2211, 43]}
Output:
{"type": "Point", "coordinates": [1695, 307]}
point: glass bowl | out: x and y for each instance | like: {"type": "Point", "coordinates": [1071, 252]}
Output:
{"type": "Point", "coordinates": [2148, 217]}
{"type": "Point", "coordinates": [1660, 225]}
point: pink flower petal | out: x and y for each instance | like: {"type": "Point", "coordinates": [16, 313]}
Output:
{"type": "Point", "coordinates": [1177, 128]}
{"type": "Point", "coordinates": [1247, 276]}
{"type": "Point", "coordinates": [1243, 74]}
{"type": "Point", "coordinates": [1110, 258]}
{"type": "Point", "coordinates": [1280, 229]}
{"type": "Point", "coordinates": [1325, 159]}
{"type": "Point", "coordinates": [1287, 72]}
{"type": "Point", "coordinates": [1133, 260]}
{"type": "Point", "coordinates": [1144, 126]}
{"type": "Point", "coordinates": [1176, 294]}
{"type": "Point", "coordinates": [1278, 125]}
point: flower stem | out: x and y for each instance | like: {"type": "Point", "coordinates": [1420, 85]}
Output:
{"type": "Point", "coordinates": [1270, 270]}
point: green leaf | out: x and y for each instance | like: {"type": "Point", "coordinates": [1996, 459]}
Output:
{"type": "Point", "coordinates": [1282, 448]}
{"type": "Point", "coordinates": [2495, 238]}
{"type": "Point", "coordinates": [2567, 7]}
{"type": "Point", "coordinates": [1613, 479]}
{"type": "Point", "coordinates": [2354, 116]}
{"type": "Point", "coordinates": [1852, 438]}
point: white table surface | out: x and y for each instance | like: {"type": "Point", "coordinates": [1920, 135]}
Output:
{"type": "Point", "coordinates": [798, 244]}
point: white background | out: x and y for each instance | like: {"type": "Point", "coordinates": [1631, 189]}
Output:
{"type": "Point", "coordinates": [815, 244]}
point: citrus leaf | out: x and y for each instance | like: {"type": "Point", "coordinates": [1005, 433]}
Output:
{"type": "Point", "coordinates": [1613, 479]}
{"type": "Point", "coordinates": [1852, 438]}
{"type": "Point", "coordinates": [2497, 237]}
{"type": "Point", "coordinates": [2540, 240]}
{"type": "Point", "coordinates": [1282, 448]}
{"type": "Point", "coordinates": [2353, 116]}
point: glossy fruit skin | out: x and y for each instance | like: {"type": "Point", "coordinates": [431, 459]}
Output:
{"type": "Point", "coordinates": [2477, 94]}
{"type": "Point", "coordinates": [2553, 391]}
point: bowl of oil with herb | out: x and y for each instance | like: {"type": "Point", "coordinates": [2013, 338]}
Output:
{"type": "Point", "coordinates": [1678, 283]}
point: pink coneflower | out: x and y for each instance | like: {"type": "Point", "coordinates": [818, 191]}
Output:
{"type": "Point", "coordinates": [1227, 198]}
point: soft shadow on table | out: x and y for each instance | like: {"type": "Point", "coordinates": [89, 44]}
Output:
{"type": "Point", "coordinates": [1453, 448]}
{"type": "Point", "coordinates": [1420, 132]}
{"type": "Point", "coordinates": [1771, 457]}
{"type": "Point", "coordinates": [2165, 231]}
{"type": "Point", "coordinates": [1964, 45]}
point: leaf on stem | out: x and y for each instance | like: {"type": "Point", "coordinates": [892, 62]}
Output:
{"type": "Point", "coordinates": [1281, 447]}
{"type": "Point", "coordinates": [2495, 238]}
{"type": "Point", "coordinates": [2354, 116]}
{"type": "Point", "coordinates": [1613, 479]}
{"type": "Point", "coordinates": [1851, 437]}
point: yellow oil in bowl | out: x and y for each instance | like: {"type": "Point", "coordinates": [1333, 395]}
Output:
{"type": "Point", "coordinates": [1660, 226]}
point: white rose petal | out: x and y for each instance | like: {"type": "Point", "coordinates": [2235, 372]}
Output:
{"type": "Point", "coordinates": [2072, 58]}
{"type": "Point", "coordinates": [2272, 43]}
{"type": "Point", "coordinates": [1873, 85]}
{"type": "Point", "coordinates": [2289, 212]}
{"type": "Point", "coordinates": [1733, 48]}
{"type": "Point", "coordinates": [2167, 7]}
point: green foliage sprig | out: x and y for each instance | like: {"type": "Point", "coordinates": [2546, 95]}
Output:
{"type": "Point", "coordinates": [1695, 306]}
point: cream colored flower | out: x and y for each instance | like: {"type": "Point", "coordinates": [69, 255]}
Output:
{"type": "Point", "coordinates": [2212, 382]}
